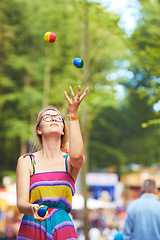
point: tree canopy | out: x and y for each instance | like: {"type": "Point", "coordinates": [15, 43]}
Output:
{"type": "Point", "coordinates": [34, 74]}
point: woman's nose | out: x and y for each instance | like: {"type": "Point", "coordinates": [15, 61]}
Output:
{"type": "Point", "coordinates": [53, 119]}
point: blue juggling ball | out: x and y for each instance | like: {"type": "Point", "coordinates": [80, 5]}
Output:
{"type": "Point", "coordinates": [42, 210]}
{"type": "Point", "coordinates": [78, 62]}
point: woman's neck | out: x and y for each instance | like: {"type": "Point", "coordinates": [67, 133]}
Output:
{"type": "Point", "coordinates": [51, 148]}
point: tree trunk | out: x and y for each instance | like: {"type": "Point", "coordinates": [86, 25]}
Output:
{"type": "Point", "coordinates": [23, 149]}
{"type": "Point", "coordinates": [46, 86]}
{"type": "Point", "coordinates": [84, 120]}
{"type": "Point", "coordinates": [84, 171]}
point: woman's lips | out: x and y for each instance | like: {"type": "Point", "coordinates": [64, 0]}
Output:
{"type": "Point", "coordinates": [54, 124]}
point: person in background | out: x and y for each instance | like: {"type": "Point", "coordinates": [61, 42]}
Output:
{"type": "Point", "coordinates": [48, 176]}
{"type": "Point", "coordinates": [94, 233]}
{"type": "Point", "coordinates": [143, 215]}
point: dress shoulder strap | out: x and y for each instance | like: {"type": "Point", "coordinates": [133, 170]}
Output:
{"type": "Point", "coordinates": [33, 162]}
{"type": "Point", "coordinates": [66, 164]}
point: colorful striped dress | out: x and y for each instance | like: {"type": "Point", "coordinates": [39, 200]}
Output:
{"type": "Point", "coordinates": [54, 189]}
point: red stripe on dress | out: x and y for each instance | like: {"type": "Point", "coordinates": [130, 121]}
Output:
{"type": "Point", "coordinates": [32, 233]}
{"type": "Point", "coordinates": [50, 176]}
{"type": "Point", "coordinates": [65, 233]}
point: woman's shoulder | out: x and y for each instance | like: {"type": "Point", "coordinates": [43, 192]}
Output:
{"type": "Point", "coordinates": [24, 158]}
{"type": "Point", "coordinates": [24, 162]}
{"type": "Point", "coordinates": [29, 155]}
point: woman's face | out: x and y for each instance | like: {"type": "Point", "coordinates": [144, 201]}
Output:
{"type": "Point", "coordinates": [51, 123]}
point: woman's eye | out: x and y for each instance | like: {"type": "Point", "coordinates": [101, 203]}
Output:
{"type": "Point", "coordinates": [58, 118]}
{"type": "Point", "coordinates": [47, 117]}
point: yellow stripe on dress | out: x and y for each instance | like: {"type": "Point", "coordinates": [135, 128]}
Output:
{"type": "Point", "coordinates": [51, 192]}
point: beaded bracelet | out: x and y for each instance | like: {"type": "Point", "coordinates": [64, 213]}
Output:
{"type": "Point", "coordinates": [70, 118]}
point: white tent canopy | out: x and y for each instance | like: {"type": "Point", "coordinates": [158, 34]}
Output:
{"type": "Point", "coordinates": [78, 203]}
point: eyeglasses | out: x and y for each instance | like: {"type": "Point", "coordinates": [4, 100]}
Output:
{"type": "Point", "coordinates": [49, 117]}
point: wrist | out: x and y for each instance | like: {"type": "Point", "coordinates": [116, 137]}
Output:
{"type": "Point", "coordinates": [72, 114]}
{"type": "Point", "coordinates": [70, 118]}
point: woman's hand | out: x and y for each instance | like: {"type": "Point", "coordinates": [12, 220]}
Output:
{"type": "Point", "coordinates": [74, 101]}
{"type": "Point", "coordinates": [35, 208]}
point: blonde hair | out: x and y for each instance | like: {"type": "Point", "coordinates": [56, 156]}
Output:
{"type": "Point", "coordinates": [64, 138]}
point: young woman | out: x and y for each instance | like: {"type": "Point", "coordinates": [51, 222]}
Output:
{"type": "Point", "coordinates": [47, 177]}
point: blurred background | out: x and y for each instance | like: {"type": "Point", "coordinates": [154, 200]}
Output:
{"type": "Point", "coordinates": [119, 42]}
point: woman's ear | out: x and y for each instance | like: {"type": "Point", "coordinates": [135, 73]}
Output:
{"type": "Point", "coordinates": [62, 132]}
{"type": "Point", "coordinates": [38, 131]}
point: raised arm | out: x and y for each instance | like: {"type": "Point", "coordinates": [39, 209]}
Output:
{"type": "Point", "coordinates": [76, 157]}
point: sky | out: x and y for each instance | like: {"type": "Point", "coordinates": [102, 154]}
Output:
{"type": "Point", "coordinates": [127, 9]}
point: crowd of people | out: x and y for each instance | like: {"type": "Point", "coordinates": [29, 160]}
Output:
{"type": "Point", "coordinates": [139, 218]}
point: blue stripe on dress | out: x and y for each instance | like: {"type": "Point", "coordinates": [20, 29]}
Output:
{"type": "Point", "coordinates": [71, 239]}
{"type": "Point", "coordinates": [23, 238]}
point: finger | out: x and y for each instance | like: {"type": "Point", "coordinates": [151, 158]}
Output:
{"type": "Point", "coordinates": [35, 208]}
{"type": "Point", "coordinates": [79, 93]}
{"type": "Point", "coordinates": [72, 93]}
{"type": "Point", "coordinates": [40, 219]}
{"type": "Point", "coordinates": [84, 94]}
{"type": "Point", "coordinates": [44, 218]}
{"type": "Point", "coordinates": [66, 96]}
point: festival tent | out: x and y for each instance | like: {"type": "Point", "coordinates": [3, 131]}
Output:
{"type": "Point", "coordinates": [78, 203]}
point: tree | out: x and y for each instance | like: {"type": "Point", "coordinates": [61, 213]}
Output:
{"type": "Point", "coordinates": [145, 46]}
{"type": "Point", "coordinates": [117, 138]}
{"type": "Point", "coordinates": [32, 68]}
